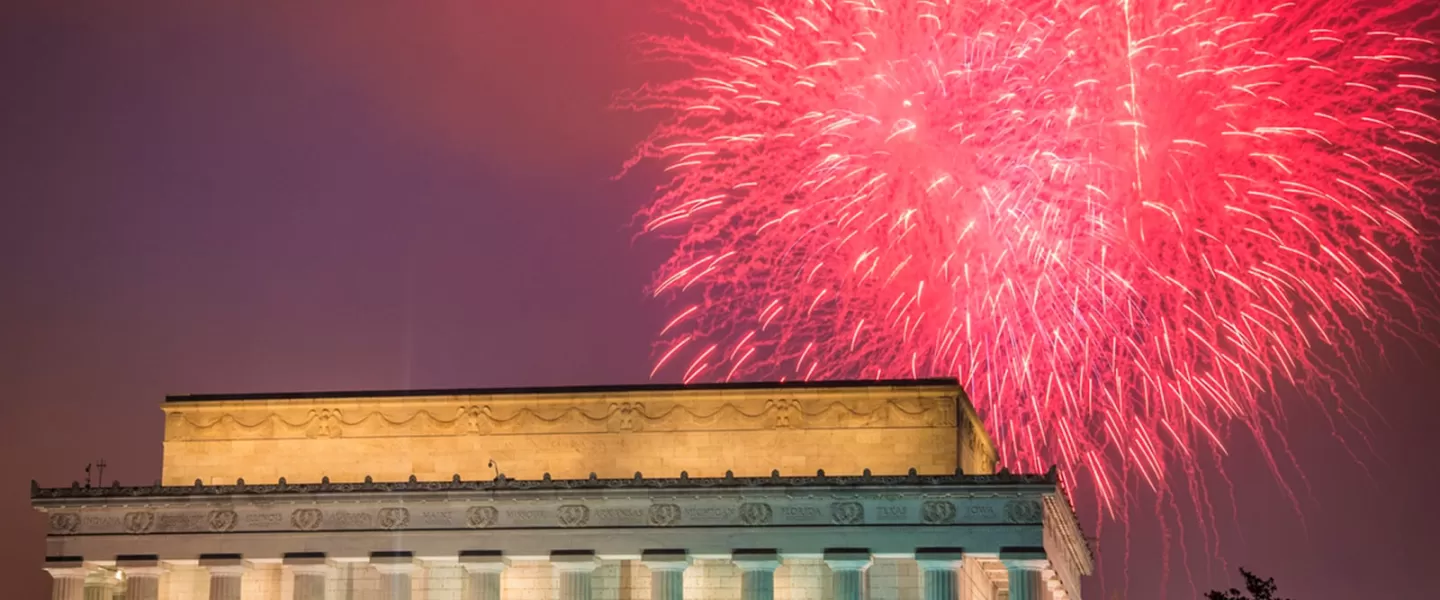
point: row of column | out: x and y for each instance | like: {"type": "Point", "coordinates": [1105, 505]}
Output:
{"type": "Point", "coordinates": [939, 572]}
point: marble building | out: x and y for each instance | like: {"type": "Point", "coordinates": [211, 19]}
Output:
{"type": "Point", "coordinates": [825, 491]}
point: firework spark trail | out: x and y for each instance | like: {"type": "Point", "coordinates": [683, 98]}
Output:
{"type": "Point", "coordinates": [1120, 225]}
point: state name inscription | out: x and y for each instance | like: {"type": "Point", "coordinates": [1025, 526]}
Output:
{"type": "Point", "coordinates": [530, 517]}
{"type": "Point", "coordinates": [892, 514]}
{"type": "Point", "coordinates": [620, 516]}
{"type": "Point", "coordinates": [800, 515]}
{"type": "Point", "coordinates": [700, 515]}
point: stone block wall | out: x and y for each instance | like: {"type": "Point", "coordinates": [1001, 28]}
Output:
{"type": "Point", "coordinates": [843, 431]}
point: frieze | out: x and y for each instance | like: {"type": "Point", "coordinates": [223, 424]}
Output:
{"type": "Point", "coordinates": [573, 515]}
{"type": "Point", "coordinates": [263, 520]}
{"type": "Point", "coordinates": [393, 518]}
{"type": "Point", "coordinates": [734, 510]}
{"type": "Point", "coordinates": [139, 522]}
{"type": "Point", "coordinates": [664, 515]}
{"type": "Point", "coordinates": [307, 519]}
{"type": "Point", "coordinates": [756, 513]}
{"type": "Point", "coordinates": [480, 517]}
{"type": "Point", "coordinates": [847, 513]}
{"type": "Point", "coordinates": [344, 519]}
{"type": "Point", "coordinates": [63, 523]}
{"type": "Point", "coordinates": [460, 417]}
{"type": "Point", "coordinates": [502, 483]}
{"type": "Point", "coordinates": [936, 512]}
{"type": "Point", "coordinates": [1023, 511]}
{"type": "Point", "coordinates": [622, 516]}
{"type": "Point", "coordinates": [221, 520]}
{"type": "Point", "coordinates": [710, 515]}
{"type": "Point", "coordinates": [171, 523]}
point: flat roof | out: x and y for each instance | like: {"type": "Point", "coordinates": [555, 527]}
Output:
{"type": "Point", "coordinates": [573, 390]}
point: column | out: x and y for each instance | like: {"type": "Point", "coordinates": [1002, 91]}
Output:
{"type": "Point", "coordinates": [483, 569]}
{"type": "Point", "coordinates": [667, 573]}
{"type": "Point", "coordinates": [757, 573]}
{"type": "Point", "coordinates": [100, 586]}
{"type": "Point", "coordinates": [1023, 569]}
{"type": "Point", "coordinates": [847, 569]}
{"type": "Point", "coordinates": [939, 572]}
{"type": "Point", "coordinates": [310, 570]}
{"type": "Point", "coordinates": [226, 571]}
{"type": "Point", "coordinates": [142, 576]}
{"type": "Point", "coordinates": [67, 577]}
{"type": "Point", "coordinates": [574, 569]}
{"type": "Point", "coordinates": [395, 569]}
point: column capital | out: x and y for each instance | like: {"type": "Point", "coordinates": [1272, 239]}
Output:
{"type": "Point", "coordinates": [306, 563]}
{"type": "Point", "coordinates": [939, 558]}
{"type": "Point", "coordinates": [393, 562]}
{"type": "Point", "coordinates": [483, 561]}
{"type": "Point", "coordinates": [139, 565]}
{"type": "Point", "coordinates": [574, 561]}
{"type": "Point", "coordinates": [665, 560]}
{"type": "Point", "coordinates": [848, 559]}
{"type": "Point", "coordinates": [756, 559]}
{"type": "Point", "coordinates": [223, 564]}
{"type": "Point", "coordinates": [65, 566]}
{"type": "Point", "coordinates": [1024, 559]}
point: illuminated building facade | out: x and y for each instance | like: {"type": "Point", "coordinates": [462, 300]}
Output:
{"type": "Point", "coordinates": [830, 491]}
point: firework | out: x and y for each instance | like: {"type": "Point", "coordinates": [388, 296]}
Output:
{"type": "Point", "coordinates": [1120, 224]}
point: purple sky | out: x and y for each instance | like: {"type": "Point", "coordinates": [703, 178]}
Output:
{"type": "Point", "coordinates": [224, 197]}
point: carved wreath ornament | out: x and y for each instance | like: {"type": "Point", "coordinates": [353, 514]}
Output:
{"type": "Point", "coordinates": [847, 513]}
{"type": "Point", "coordinates": [139, 522]}
{"type": "Point", "coordinates": [937, 512]}
{"type": "Point", "coordinates": [221, 520]}
{"type": "Point", "coordinates": [394, 518]}
{"type": "Point", "coordinates": [756, 513]}
{"type": "Point", "coordinates": [64, 523]}
{"type": "Point", "coordinates": [481, 517]}
{"type": "Point", "coordinates": [573, 515]}
{"type": "Point", "coordinates": [306, 519]}
{"type": "Point", "coordinates": [1023, 511]}
{"type": "Point", "coordinates": [664, 515]}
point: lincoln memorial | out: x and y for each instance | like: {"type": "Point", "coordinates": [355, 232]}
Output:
{"type": "Point", "coordinates": [773, 491]}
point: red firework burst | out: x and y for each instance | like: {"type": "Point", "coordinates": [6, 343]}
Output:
{"type": "Point", "coordinates": [1119, 223]}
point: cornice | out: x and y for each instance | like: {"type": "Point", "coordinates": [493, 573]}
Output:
{"type": "Point", "coordinates": [502, 484]}
{"type": "Point", "coordinates": [905, 501]}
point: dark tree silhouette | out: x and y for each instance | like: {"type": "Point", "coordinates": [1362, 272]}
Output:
{"type": "Point", "coordinates": [1260, 589]}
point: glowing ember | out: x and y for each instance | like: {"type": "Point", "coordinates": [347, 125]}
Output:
{"type": "Point", "coordinates": [1119, 224]}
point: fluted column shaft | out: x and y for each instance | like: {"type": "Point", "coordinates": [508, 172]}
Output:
{"type": "Point", "coordinates": [484, 570]}
{"type": "Point", "coordinates": [98, 591]}
{"type": "Point", "coordinates": [484, 585]}
{"type": "Point", "coordinates": [667, 574]}
{"type": "Point", "coordinates": [939, 572]}
{"type": "Point", "coordinates": [575, 572]}
{"type": "Point", "coordinates": [67, 583]}
{"type": "Point", "coordinates": [142, 584]}
{"type": "Point", "coordinates": [309, 582]}
{"type": "Point", "coordinates": [395, 581]}
{"type": "Point", "coordinates": [847, 570]}
{"type": "Point", "coordinates": [1025, 576]}
{"type": "Point", "coordinates": [225, 583]}
{"type": "Point", "coordinates": [757, 574]}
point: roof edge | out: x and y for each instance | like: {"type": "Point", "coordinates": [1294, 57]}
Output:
{"type": "Point", "coordinates": [572, 390]}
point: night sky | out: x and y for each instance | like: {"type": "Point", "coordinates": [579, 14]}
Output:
{"type": "Point", "coordinates": [207, 197]}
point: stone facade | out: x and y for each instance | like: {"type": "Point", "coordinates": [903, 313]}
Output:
{"type": "Point", "coordinates": [570, 433]}
{"type": "Point", "coordinates": [717, 527]}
